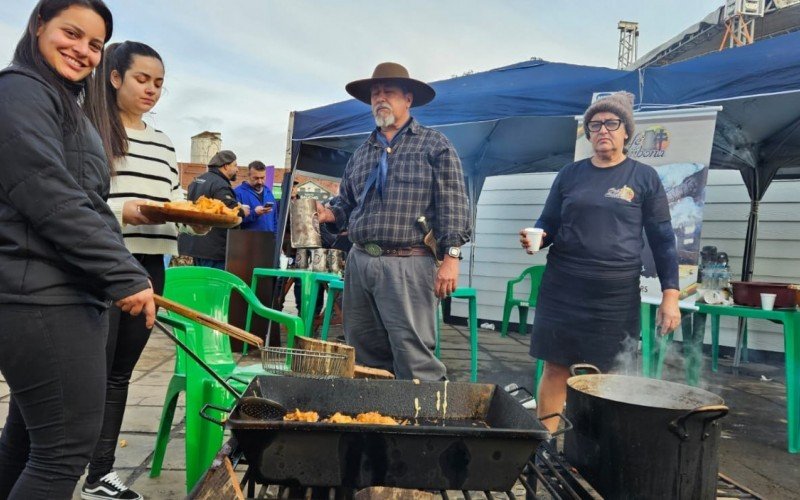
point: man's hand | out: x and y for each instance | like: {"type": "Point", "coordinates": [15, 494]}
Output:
{"type": "Point", "coordinates": [668, 316]}
{"type": "Point", "coordinates": [245, 209]}
{"type": "Point", "coordinates": [131, 214]}
{"type": "Point", "coordinates": [141, 302]}
{"type": "Point", "coordinates": [324, 214]}
{"type": "Point", "coordinates": [265, 209]}
{"type": "Point", "coordinates": [446, 278]}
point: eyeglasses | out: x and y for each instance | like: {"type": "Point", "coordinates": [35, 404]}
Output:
{"type": "Point", "coordinates": [611, 125]}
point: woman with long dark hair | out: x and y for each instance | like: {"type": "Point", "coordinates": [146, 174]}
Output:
{"type": "Point", "coordinates": [62, 258]}
{"type": "Point", "coordinates": [127, 85]}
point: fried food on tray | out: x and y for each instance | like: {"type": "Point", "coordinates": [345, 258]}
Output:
{"type": "Point", "coordinates": [302, 416]}
{"type": "Point", "coordinates": [372, 417]}
{"type": "Point", "coordinates": [338, 418]}
{"type": "Point", "coordinates": [204, 205]}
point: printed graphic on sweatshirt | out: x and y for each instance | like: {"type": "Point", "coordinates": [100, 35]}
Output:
{"type": "Point", "coordinates": [623, 193]}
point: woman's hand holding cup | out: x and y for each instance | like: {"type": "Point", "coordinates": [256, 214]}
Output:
{"type": "Point", "coordinates": [531, 239]}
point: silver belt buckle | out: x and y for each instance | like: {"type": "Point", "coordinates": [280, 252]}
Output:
{"type": "Point", "coordinates": [373, 249]}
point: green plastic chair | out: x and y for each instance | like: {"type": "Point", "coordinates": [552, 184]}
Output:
{"type": "Point", "coordinates": [334, 287]}
{"type": "Point", "coordinates": [177, 385]}
{"type": "Point", "coordinates": [472, 296]}
{"type": "Point", "coordinates": [208, 291]}
{"type": "Point", "coordinates": [308, 281]}
{"type": "Point", "coordinates": [534, 274]}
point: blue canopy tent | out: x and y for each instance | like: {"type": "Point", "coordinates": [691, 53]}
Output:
{"type": "Point", "coordinates": [493, 118]}
{"type": "Point", "coordinates": [520, 118]}
{"type": "Point", "coordinates": [758, 130]}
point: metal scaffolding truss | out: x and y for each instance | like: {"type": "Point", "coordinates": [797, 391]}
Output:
{"type": "Point", "coordinates": [628, 43]}
{"type": "Point", "coordinates": [779, 17]}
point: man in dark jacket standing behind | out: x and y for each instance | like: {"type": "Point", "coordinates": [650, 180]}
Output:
{"type": "Point", "coordinates": [209, 250]}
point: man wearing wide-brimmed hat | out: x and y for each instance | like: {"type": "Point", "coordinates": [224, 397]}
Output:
{"type": "Point", "coordinates": [403, 171]}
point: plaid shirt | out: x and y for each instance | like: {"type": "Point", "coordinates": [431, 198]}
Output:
{"type": "Point", "coordinates": [424, 178]}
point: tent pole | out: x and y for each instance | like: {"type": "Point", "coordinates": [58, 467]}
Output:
{"type": "Point", "coordinates": [748, 262]}
{"type": "Point", "coordinates": [289, 164]}
{"type": "Point", "coordinates": [473, 214]}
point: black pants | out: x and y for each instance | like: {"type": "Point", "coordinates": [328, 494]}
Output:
{"type": "Point", "coordinates": [53, 360]}
{"type": "Point", "coordinates": [127, 337]}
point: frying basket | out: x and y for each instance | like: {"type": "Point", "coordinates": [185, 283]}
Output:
{"type": "Point", "coordinates": [303, 363]}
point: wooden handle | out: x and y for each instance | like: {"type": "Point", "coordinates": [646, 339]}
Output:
{"type": "Point", "coordinates": [367, 372]}
{"type": "Point", "coordinates": [206, 320]}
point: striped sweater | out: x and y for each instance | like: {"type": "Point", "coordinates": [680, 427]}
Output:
{"type": "Point", "coordinates": [148, 171]}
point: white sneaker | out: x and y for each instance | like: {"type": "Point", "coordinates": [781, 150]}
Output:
{"type": "Point", "coordinates": [109, 486]}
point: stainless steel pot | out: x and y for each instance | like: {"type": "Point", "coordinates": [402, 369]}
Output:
{"type": "Point", "coordinates": [319, 260]}
{"type": "Point", "coordinates": [302, 258]}
{"type": "Point", "coordinates": [336, 259]}
{"type": "Point", "coordinates": [305, 230]}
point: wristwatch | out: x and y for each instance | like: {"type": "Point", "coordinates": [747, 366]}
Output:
{"type": "Point", "coordinates": [454, 252]}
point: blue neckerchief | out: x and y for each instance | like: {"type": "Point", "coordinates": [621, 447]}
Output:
{"type": "Point", "coordinates": [379, 174]}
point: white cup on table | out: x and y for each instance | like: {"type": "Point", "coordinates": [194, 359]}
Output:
{"type": "Point", "coordinates": [534, 235]}
{"type": "Point", "coordinates": [768, 301]}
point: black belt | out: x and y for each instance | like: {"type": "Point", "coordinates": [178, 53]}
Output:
{"type": "Point", "coordinates": [375, 250]}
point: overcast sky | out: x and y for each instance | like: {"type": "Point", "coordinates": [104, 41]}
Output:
{"type": "Point", "coordinates": [240, 66]}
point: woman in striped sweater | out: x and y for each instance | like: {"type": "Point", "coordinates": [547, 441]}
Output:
{"type": "Point", "coordinates": [145, 168]}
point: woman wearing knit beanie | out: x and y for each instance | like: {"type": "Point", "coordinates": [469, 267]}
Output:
{"type": "Point", "coordinates": [594, 217]}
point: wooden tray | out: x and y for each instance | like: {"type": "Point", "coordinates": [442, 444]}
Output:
{"type": "Point", "coordinates": [161, 214]}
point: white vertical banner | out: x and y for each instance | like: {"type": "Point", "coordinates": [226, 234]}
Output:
{"type": "Point", "coordinates": [677, 143]}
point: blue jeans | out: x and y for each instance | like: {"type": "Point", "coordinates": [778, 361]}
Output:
{"type": "Point", "coordinates": [53, 359]}
{"type": "Point", "coordinates": [216, 264]}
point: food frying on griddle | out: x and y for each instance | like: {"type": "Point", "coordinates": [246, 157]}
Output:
{"type": "Point", "coordinates": [301, 416]}
{"type": "Point", "coordinates": [339, 418]}
{"type": "Point", "coordinates": [372, 417]}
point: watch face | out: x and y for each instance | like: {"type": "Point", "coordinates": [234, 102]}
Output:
{"type": "Point", "coordinates": [454, 251]}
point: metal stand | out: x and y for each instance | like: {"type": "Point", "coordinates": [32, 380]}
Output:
{"type": "Point", "coordinates": [628, 44]}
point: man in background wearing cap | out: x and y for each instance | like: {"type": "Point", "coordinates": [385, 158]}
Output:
{"type": "Point", "coordinates": [402, 172]}
{"type": "Point", "coordinates": [209, 250]}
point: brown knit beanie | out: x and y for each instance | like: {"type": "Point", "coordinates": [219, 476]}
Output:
{"type": "Point", "coordinates": [619, 103]}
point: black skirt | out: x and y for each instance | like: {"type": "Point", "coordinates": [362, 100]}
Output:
{"type": "Point", "coordinates": [587, 320]}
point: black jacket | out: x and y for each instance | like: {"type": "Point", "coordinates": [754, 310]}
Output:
{"type": "Point", "coordinates": [211, 184]}
{"type": "Point", "coordinates": [59, 241]}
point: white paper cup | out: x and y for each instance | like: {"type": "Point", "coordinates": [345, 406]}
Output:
{"type": "Point", "coordinates": [534, 235]}
{"type": "Point", "coordinates": [768, 301]}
